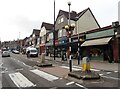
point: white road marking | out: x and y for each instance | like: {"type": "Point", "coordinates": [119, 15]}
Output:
{"type": "Point", "coordinates": [20, 80]}
{"type": "Point", "coordinates": [4, 72]}
{"type": "Point", "coordinates": [108, 73]}
{"type": "Point", "coordinates": [70, 83]}
{"type": "Point", "coordinates": [115, 71]}
{"type": "Point", "coordinates": [100, 74]}
{"type": "Point", "coordinates": [6, 69]}
{"type": "Point", "coordinates": [19, 69]}
{"type": "Point", "coordinates": [47, 76]}
{"type": "Point", "coordinates": [38, 61]}
{"type": "Point", "coordinates": [94, 70]}
{"type": "Point", "coordinates": [28, 66]}
{"type": "Point", "coordinates": [61, 78]}
{"type": "Point", "coordinates": [77, 68]}
{"type": "Point", "coordinates": [90, 69]}
{"type": "Point", "coordinates": [1, 64]}
{"type": "Point", "coordinates": [111, 77]}
{"type": "Point", "coordinates": [80, 86]}
{"type": "Point", "coordinates": [24, 63]}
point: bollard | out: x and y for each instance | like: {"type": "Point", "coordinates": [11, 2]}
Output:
{"type": "Point", "coordinates": [84, 62]}
{"type": "Point", "coordinates": [88, 64]}
{"type": "Point", "coordinates": [42, 59]}
{"type": "Point", "coordinates": [70, 64]}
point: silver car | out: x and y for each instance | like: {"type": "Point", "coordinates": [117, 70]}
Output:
{"type": "Point", "coordinates": [5, 52]}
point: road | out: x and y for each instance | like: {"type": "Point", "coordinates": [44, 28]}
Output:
{"type": "Point", "coordinates": [21, 72]}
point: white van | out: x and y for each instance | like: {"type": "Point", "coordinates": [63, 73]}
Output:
{"type": "Point", "coordinates": [31, 51]}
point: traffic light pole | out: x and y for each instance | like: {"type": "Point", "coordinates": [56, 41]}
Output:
{"type": "Point", "coordinates": [70, 60]}
{"type": "Point", "coordinates": [54, 31]}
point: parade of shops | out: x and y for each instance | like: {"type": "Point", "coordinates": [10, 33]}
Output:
{"type": "Point", "coordinates": [100, 44]}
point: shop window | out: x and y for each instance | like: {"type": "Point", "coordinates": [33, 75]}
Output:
{"type": "Point", "coordinates": [95, 52]}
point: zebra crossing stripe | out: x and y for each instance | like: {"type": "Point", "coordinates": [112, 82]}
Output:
{"type": "Point", "coordinates": [44, 75]}
{"type": "Point", "coordinates": [20, 80]}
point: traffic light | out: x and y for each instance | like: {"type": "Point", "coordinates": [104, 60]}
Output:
{"type": "Point", "coordinates": [69, 28]}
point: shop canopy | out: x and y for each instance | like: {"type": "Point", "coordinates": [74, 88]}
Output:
{"type": "Point", "coordinates": [101, 41]}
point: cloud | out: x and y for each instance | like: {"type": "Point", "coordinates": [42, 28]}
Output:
{"type": "Point", "coordinates": [25, 25]}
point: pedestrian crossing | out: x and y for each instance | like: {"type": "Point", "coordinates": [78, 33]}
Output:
{"type": "Point", "coordinates": [22, 81]}
{"type": "Point", "coordinates": [45, 75]}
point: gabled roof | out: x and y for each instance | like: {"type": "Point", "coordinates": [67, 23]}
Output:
{"type": "Point", "coordinates": [36, 32]}
{"type": "Point", "coordinates": [48, 26]}
{"type": "Point", "coordinates": [82, 12]}
{"type": "Point", "coordinates": [74, 14]}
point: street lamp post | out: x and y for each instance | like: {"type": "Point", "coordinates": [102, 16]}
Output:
{"type": "Point", "coordinates": [69, 30]}
{"type": "Point", "coordinates": [70, 60]}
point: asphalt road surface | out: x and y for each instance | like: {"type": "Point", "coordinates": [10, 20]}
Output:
{"type": "Point", "coordinates": [18, 71]}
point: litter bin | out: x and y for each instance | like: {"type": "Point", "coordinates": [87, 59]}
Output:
{"type": "Point", "coordinates": [85, 64]}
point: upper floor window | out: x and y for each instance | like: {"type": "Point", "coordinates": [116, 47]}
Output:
{"type": "Point", "coordinates": [60, 33]}
{"type": "Point", "coordinates": [60, 20]}
{"type": "Point", "coordinates": [43, 39]}
{"type": "Point", "coordinates": [51, 36]}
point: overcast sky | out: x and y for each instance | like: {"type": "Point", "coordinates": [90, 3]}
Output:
{"type": "Point", "coordinates": [19, 17]}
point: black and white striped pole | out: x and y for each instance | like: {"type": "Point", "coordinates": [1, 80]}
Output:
{"type": "Point", "coordinates": [69, 30]}
{"type": "Point", "coordinates": [70, 60]}
{"type": "Point", "coordinates": [79, 57]}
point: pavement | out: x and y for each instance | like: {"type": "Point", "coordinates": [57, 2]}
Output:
{"type": "Point", "coordinates": [60, 69]}
{"type": "Point", "coordinates": [95, 64]}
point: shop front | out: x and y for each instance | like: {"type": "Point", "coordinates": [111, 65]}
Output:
{"type": "Point", "coordinates": [99, 45]}
{"type": "Point", "coordinates": [62, 45]}
{"type": "Point", "coordinates": [74, 45]}
{"type": "Point", "coordinates": [97, 49]}
{"type": "Point", "coordinates": [118, 39]}
{"type": "Point", "coordinates": [50, 48]}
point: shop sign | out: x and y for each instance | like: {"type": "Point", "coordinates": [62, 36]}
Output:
{"type": "Point", "coordinates": [99, 34]}
{"type": "Point", "coordinates": [75, 40]}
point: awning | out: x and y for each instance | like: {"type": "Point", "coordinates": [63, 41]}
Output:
{"type": "Point", "coordinates": [101, 41]}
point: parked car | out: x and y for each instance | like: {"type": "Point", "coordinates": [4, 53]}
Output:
{"type": "Point", "coordinates": [5, 52]}
{"type": "Point", "coordinates": [31, 51]}
{"type": "Point", "coordinates": [16, 51]}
